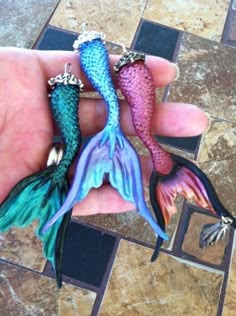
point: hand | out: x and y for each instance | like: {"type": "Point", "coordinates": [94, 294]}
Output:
{"type": "Point", "coordinates": [26, 128]}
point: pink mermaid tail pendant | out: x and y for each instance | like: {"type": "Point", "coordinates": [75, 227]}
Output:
{"type": "Point", "coordinates": [172, 175]}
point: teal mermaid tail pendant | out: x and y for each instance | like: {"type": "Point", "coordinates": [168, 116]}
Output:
{"type": "Point", "coordinates": [39, 196]}
{"type": "Point", "coordinates": [108, 154]}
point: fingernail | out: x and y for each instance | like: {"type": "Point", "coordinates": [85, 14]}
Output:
{"type": "Point", "coordinates": [176, 69]}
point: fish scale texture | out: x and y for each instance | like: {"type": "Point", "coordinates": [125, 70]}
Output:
{"type": "Point", "coordinates": [94, 61]}
{"type": "Point", "coordinates": [136, 84]}
{"type": "Point", "coordinates": [41, 194]}
{"type": "Point", "coordinates": [64, 105]}
{"type": "Point", "coordinates": [107, 154]}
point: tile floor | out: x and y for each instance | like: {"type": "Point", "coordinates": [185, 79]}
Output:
{"type": "Point", "coordinates": [107, 268]}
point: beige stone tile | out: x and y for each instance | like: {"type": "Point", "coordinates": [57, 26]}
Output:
{"type": "Point", "coordinates": [22, 247]}
{"type": "Point", "coordinates": [117, 19]}
{"type": "Point", "coordinates": [230, 303]}
{"type": "Point", "coordinates": [167, 287]}
{"type": "Point", "coordinates": [128, 224]}
{"type": "Point", "coordinates": [213, 254]}
{"type": "Point", "coordinates": [199, 17]}
{"type": "Point", "coordinates": [132, 225]}
{"type": "Point", "coordinates": [23, 20]}
{"type": "Point", "coordinates": [216, 158]}
{"type": "Point", "coordinates": [207, 77]}
{"type": "Point", "coordinates": [26, 293]}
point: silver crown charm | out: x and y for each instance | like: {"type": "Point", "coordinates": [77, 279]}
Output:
{"type": "Point", "coordinates": [127, 58]}
{"type": "Point", "coordinates": [66, 78]}
{"type": "Point", "coordinates": [87, 36]}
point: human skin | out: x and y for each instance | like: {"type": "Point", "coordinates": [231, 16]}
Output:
{"type": "Point", "coordinates": [26, 128]}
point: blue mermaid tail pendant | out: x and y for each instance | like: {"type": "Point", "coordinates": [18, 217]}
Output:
{"type": "Point", "coordinates": [39, 196]}
{"type": "Point", "coordinates": [108, 154]}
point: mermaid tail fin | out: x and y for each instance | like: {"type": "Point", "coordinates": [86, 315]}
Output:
{"type": "Point", "coordinates": [157, 211]}
{"type": "Point", "coordinates": [61, 236]}
{"type": "Point", "coordinates": [108, 154]}
{"type": "Point", "coordinates": [189, 181]}
{"type": "Point", "coordinates": [36, 197]}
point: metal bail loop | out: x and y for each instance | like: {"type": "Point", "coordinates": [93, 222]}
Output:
{"type": "Point", "coordinates": [68, 68]}
{"type": "Point", "coordinates": [124, 50]}
{"type": "Point", "coordinates": [84, 27]}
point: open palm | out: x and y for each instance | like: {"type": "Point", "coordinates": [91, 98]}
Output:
{"type": "Point", "coordinates": [25, 122]}
{"type": "Point", "coordinates": [26, 127]}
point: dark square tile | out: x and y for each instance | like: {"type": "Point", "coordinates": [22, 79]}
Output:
{"type": "Point", "coordinates": [189, 144]}
{"type": "Point", "coordinates": [158, 40]}
{"type": "Point", "coordinates": [86, 254]}
{"type": "Point", "coordinates": [56, 39]}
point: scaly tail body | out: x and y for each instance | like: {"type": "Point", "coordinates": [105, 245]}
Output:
{"type": "Point", "coordinates": [108, 153]}
{"type": "Point", "coordinates": [172, 175]}
{"type": "Point", "coordinates": [40, 195]}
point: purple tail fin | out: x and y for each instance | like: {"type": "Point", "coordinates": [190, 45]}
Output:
{"type": "Point", "coordinates": [109, 154]}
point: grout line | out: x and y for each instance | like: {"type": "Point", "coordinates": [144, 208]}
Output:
{"type": "Point", "coordinates": [175, 58]}
{"type": "Point", "coordinates": [20, 266]}
{"type": "Point", "coordinates": [144, 9]}
{"type": "Point", "coordinates": [106, 277]}
{"type": "Point", "coordinates": [168, 89]}
{"type": "Point", "coordinates": [134, 40]}
{"type": "Point", "coordinates": [178, 46]}
{"type": "Point", "coordinates": [166, 93]}
{"type": "Point", "coordinates": [219, 119]}
{"type": "Point", "coordinates": [226, 276]}
{"type": "Point", "coordinates": [45, 26]}
{"type": "Point", "coordinates": [226, 30]}
{"type": "Point", "coordinates": [198, 265]}
{"type": "Point", "coordinates": [196, 152]}
{"type": "Point", "coordinates": [48, 271]}
{"type": "Point", "coordinates": [138, 28]}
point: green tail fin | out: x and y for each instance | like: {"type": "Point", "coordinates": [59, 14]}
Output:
{"type": "Point", "coordinates": [36, 197]}
{"type": "Point", "coordinates": [61, 236]}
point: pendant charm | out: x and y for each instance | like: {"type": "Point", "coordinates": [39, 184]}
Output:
{"type": "Point", "coordinates": [39, 196]}
{"type": "Point", "coordinates": [172, 175]}
{"type": "Point", "coordinates": [212, 233]}
{"type": "Point", "coordinates": [108, 154]}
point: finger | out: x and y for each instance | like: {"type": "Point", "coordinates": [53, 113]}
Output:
{"type": "Point", "coordinates": [169, 119]}
{"type": "Point", "coordinates": [107, 200]}
{"type": "Point", "coordinates": [53, 62]}
{"type": "Point", "coordinates": [102, 200]}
